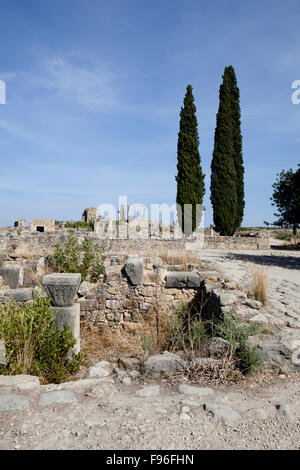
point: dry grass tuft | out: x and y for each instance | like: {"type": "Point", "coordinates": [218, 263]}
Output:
{"type": "Point", "coordinates": [148, 336]}
{"type": "Point", "coordinates": [259, 284]}
{"type": "Point", "coordinates": [221, 371]}
{"type": "Point", "coordinates": [185, 259]}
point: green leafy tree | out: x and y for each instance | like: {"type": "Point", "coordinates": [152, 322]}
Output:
{"type": "Point", "coordinates": [190, 178]}
{"type": "Point", "coordinates": [223, 172]}
{"type": "Point", "coordinates": [286, 198]}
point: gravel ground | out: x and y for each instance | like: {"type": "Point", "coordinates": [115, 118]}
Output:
{"type": "Point", "coordinates": [112, 416]}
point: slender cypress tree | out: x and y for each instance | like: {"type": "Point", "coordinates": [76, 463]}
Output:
{"type": "Point", "coordinates": [223, 173]}
{"type": "Point", "coordinates": [237, 145]}
{"type": "Point", "coordinates": [190, 178]}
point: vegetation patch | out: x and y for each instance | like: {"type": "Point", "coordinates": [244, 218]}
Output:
{"type": "Point", "coordinates": [225, 339]}
{"type": "Point", "coordinates": [87, 259]}
{"type": "Point", "coordinates": [34, 345]}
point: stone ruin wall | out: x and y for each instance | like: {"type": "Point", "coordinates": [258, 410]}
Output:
{"type": "Point", "coordinates": [43, 243]}
{"type": "Point", "coordinates": [115, 301]}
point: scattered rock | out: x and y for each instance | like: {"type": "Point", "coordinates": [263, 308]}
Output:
{"type": "Point", "coordinates": [101, 369]}
{"type": "Point", "coordinates": [293, 324]}
{"type": "Point", "coordinates": [256, 304]}
{"type": "Point", "coordinates": [276, 351]}
{"type": "Point", "coordinates": [260, 318]}
{"type": "Point", "coordinates": [222, 412]}
{"type": "Point", "coordinates": [126, 380]}
{"type": "Point", "coordinates": [284, 409]}
{"type": "Point", "coordinates": [59, 396]}
{"type": "Point", "coordinates": [184, 413]}
{"type": "Point", "coordinates": [190, 390]}
{"type": "Point", "coordinates": [207, 361]}
{"type": "Point", "coordinates": [85, 288]}
{"type": "Point", "coordinates": [36, 291]}
{"type": "Point", "coordinates": [9, 402]}
{"type": "Point", "coordinates": [225, 298]}
{"type": "Point", "coordinates": [21, 382]}
{"type": "Point", "coordinates": [218, 345]}
{"type": "Point", "coordinates": [128, 362]}
{"type": "Point", "coordinates": [231, 285]}
{"type": "Point", "coordinates": [148, 391]}
{"type": "Point", "coordinates": [134, 374]}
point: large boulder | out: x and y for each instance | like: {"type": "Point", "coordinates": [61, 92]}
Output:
{"type": "Point", "coordinates": [279, 352]}
{"type": "Point", "coordinates": [62, 288]}
{"type": "Point", "coordinates": [134, 270]}
{"type": "Point", "coordinates": [165, 361]}
{"type": "Point", "coordinates": [183, 279]}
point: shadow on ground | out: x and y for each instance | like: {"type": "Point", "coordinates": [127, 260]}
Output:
{"type": "Point", "coordinates": [286, 261]}
{"type": "Point", "coordinates": [292, 247]}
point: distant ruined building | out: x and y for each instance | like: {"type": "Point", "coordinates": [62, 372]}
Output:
{"type": "Point", "coordinates": [90, 214]}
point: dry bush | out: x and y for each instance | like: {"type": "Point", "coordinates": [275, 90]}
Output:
{"type": "Point", "coordinates": [259, 284]}
{"type": "Point", "coordinates": [155, 330]}
{"type": "Point", "coordinates": [216, 372]}
{"type": "Point", "coordinates": [186, 258]}
{"type": "Point", "coordinates": [149, 335]}
{"type": "Point", "coordinates": [109, 343]}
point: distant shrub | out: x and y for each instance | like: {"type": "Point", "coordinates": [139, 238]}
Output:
{"type": "Point", "coordinates": [34, 345]}
{"type": "Point", "coordinates": [283, 235]}
{"type": "Point", "coordinates": [68, 258]}
{"type": "Point", "coordinates": [80, 224]}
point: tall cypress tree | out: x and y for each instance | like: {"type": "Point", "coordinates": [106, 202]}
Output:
{"type": "Point", "coordinates": [190, 178]}
{"type": "Point", "coordinates": [237, 145]}
{"type": "Point", "coordinates": [223, 173]}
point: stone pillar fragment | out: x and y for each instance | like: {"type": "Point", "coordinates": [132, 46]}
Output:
{"type": "Point", "coordinates": [62, 288]}
{"type": "Point", "coordinates": [71, 317]}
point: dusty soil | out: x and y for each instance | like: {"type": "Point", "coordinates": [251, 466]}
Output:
{"type": "Point", "coordinates": [120, 419]}
{"type": "Point", "coordinates": [107, 414]}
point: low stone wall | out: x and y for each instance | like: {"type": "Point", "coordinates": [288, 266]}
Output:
{"type": "Point", "coordinates": [42, 244]}
{"type": "Point", "coordinates": [237, 243]}
{"type": "Point", "coordinates": [116, 302]}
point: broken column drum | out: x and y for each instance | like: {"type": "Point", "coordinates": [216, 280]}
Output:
{"type": "Point", "coordinates": [62, 289]}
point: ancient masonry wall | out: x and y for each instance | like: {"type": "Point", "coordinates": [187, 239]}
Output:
{"type": "Point", "coordinates": [115, 301]}
{"type": "Point", "coordinates": [42, 244]}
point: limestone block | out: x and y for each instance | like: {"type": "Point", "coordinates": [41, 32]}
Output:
{"type": "Point", "coordinates": [62, 288]}
{"type": "Point", "coordinates": [182, 279]}
{"type": "Point", "coordinates": [165, 361]}
{"type": "Point", "coordinates": [11, 275]}
{"type": "Point", "coordinates": [22, 294]}
{"type": "Point", "coordinates": [71, 317]}
{"type": "Point", "coordinates": [134, 269]}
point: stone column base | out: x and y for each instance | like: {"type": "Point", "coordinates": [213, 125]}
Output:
{"type": "Point", "coordinates": [71, 317]}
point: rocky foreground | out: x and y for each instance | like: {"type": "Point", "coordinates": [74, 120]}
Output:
{"type": "Point", "coordinates": [124, 410]}
{"type": "Point", "coordinates": [105, 413]}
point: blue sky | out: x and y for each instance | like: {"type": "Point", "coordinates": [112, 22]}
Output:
{"type": "Point", "coordinates": [94, 91]}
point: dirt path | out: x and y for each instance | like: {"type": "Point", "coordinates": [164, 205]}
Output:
{"type": "Point", "coordinates": [112, 416]}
